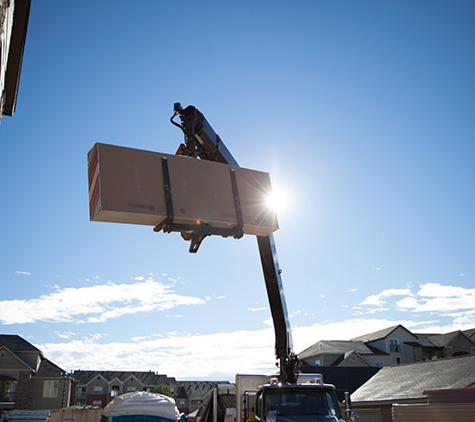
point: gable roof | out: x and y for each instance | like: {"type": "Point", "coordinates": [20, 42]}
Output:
{"type": "Point", "coordinates": [348, 355]}
{"type": "Point", "coordinates": [470, 333]}
{"type": "Point", "coordinates": [409, 381]}
{"type": "Point", "coordinates": [16, 344]}
{"type": "Point", "coordinates": [440, 340]}
{"type": "Point", "coordinates": [378, 335]}
{"type": "Point", "coordinates": [49, 369]}
{"type": "Point", "coordinates": [337, 347]}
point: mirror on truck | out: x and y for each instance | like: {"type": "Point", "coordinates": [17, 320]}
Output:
{"type": "Point", "coordinates": [350, 415]}
{"type": "Point", "coordinates": [245, 406]}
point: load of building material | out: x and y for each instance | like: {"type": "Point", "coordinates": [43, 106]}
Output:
{"type": "Point", "coordinates": [141, 406]}
{"type": "Point", "coordinates": [129, 185]}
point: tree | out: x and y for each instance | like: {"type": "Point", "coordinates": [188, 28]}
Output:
{"type": "Point", "coordinates": [163, 389]}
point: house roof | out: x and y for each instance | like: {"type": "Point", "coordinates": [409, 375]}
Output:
{"type": "Point", "coordinates": [409, 381]}
{"type": "Point", "coordinates": [149, 378]}
{"type": "Point", "coordinates": [49, 369]}
{"type": "Point", "coordinates": [378, 335]}
{"type": "Point", "coordinates": [17, 344]}
{"type": "Point", "coordinates": [440, 340]}
{"type": "Point", "coordinates": [337, 347]}
{"type": "Point", "coordinates": [470, 333]}
{"type": "Point", "coordinates": [423, 340]}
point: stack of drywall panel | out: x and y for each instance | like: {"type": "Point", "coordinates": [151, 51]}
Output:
{"type": "Point", "coordinates": [126, 185]}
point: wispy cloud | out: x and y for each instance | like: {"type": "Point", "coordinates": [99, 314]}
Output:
{"type": "Point", "coordinates": [379, 299]}
{"type": "Point", "coordinates": [22, 272]}
{"type": "Point", "coordinates": [97, 303]}
{"type": "Point", "coordinates": [453, 301]}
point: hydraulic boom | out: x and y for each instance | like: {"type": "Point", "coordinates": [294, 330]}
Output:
{"type": "Point", "coordinates": [202, 142]}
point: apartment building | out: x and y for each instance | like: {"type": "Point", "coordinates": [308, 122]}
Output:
{"type": "Point", "coordinates": [97, 388]}
{"type": "Point", "coordinates": [29, 381]}
{"type": "Point", "coordinates": [389, 347]}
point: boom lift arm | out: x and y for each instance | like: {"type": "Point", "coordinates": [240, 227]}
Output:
{"type": "Point", "coordinates": [201, 141]}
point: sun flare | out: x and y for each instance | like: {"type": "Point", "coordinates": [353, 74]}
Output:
{"type": "Point", "coordinates": [278, 201]}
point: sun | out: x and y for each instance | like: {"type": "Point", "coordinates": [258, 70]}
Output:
{"type": "Point", "coordinates": [277, 201]}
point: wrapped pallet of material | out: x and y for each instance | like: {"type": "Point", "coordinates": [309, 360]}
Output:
{"type": "Point", "coordinates": [141, 406]}
{"type": "Point", "coordinates": [127, 185]}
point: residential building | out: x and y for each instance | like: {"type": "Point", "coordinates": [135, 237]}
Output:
{"type": "Point", "coordinates": [394, 341]}
{"type": "Point", "coordinates": [342, 353]}
{"type": "Point", "coordinates": [14, 16]}
{"type": "Point", "coordinates": [439, 346]}
{"type": "Point", "coordinates": [97, 388]}
{"type": "Point", "coordinates": [389, 347]}
{"type": "Point", "coordinates": [28, 380]}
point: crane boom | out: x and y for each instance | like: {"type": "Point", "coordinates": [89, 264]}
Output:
{"type": "Point", "coordinates": [201, 141]}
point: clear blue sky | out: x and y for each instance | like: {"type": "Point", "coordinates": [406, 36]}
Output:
{"type": "Point", "coordinates": [362, 113]}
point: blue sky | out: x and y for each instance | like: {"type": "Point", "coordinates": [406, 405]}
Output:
{"type": "Point", "coordinates": [362, 113]}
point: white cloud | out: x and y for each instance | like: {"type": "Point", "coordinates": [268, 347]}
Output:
{"type": "Point", "coordinates": [97, 303]}
{"type": "Point", "coordinates": [218, 355]}
{"type": "Point", "coordinates": [22, 272]}
{"type": "Point", "coordinates": [210, 356]}
{"type": "Point", "coordinates": [434, 297]}
{"type": "Point", "coordinates": [377, 300]}
{"type": "Point", "coordinates": [185, 356]}
{"type": "Point", "coordinates": [445, 300]}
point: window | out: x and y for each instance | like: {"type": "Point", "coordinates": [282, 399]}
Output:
{"type": "Point", "coordinates": [2, 355]}
{"type": "Point", "coordinates": [81, 392]}
{"type": "Point", "coordinates": [10, 390]}
{"type": "Point", "coordinates": [378, 364]}
{"type": "Point", "coordinates": [97, 389]}
{"type": "Point", "coordinates": [353, 358]}
{"type": "Point", "coordinates": [395, 361]}
{"type": "Point", "coordinates": [394, 346]}
{"type": "Point", "coordinates": [50, 389]}
{"type": "Point", "coordinates": [96, 403]}
{"type": "Point", "coordinates": [131, 388]}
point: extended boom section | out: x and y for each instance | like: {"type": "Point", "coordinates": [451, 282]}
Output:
{"type": "Point", "coordinates": [201, 141]}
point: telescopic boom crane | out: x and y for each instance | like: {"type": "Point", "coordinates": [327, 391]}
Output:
{"type": "Point", "coordinates": [201, 141]}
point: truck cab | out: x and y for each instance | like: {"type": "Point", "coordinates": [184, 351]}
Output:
{"type": "Point", "coordinates": [297, 403]}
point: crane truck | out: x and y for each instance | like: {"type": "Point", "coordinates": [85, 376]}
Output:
{"type": "Point", "coordinates": [285, 397]}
